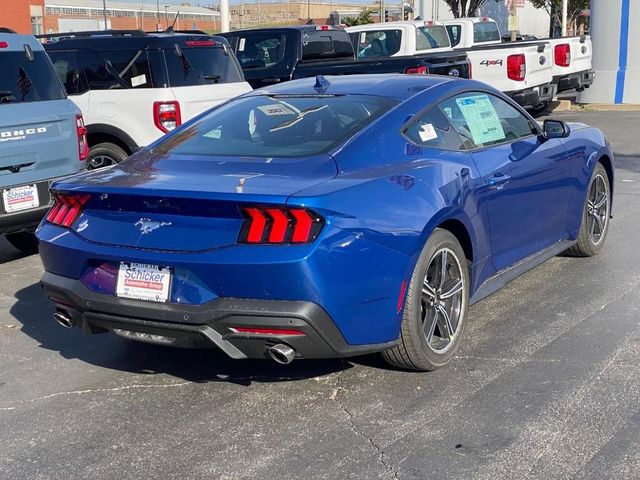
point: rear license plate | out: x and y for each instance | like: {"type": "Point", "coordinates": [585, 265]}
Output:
{"type": "Point", "coordinates": [143, 282]}
{"type": "Point", "coordinates": [20, 198]}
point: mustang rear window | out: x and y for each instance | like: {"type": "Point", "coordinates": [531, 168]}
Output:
{"type": "Point", "coordinates": [277, 126]}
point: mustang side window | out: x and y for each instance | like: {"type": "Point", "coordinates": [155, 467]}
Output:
{"type": "Point", "coordinates": [483, 119]}
{"type": "Point", "coordinates": [433, 130]}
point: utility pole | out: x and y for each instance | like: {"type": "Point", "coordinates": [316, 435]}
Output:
{"type": "Point", "coordinates": [158, 27]}
{"type": "Point", "coordinates": [224, 15]}
{"type": "Point", "coordinates": [104, 12]}
{"type": "Point", "coordinates": [513, 13]}
{"type": "Point", "coordinates": [565, 7]}
{"type": "Point", "coordinates": [166, 17]}
{"type": "Point", "coordinates": [382, 15]}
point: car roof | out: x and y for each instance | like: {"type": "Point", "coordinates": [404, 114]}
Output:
{"type": "Point", "coordinates": [118, 39]}
{"type": "Point", "coordinates": [398, 23]}
{"type": "Point", "coordinates": [398, 86]}
{"type": "Point", "coordinates": [16, 43]}
{"type": "Point", "coordinates": [470, 19]}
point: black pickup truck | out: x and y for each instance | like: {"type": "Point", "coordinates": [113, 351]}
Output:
{"type": "Point", "coordinates": [273, 55]}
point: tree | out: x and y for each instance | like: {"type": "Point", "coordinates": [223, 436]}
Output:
{"type": "Point", "coordinates": [554, 8]}
{"type": "Point", "coordinates": [362, 19]}
{"type": "Point", "coordinates": [465, 8]}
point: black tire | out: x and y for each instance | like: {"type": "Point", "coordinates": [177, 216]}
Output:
{"type": "Point", "coordinates": [26, 242]}
{"type": "Point", "coordinates": [415, 352]}
{"type": "Point", "coordinates": [105, 154]}
{"type": "Point", "coordinates": [595, 217]}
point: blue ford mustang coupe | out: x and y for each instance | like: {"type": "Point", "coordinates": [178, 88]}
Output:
{"type": "Point", "coordinates": [326, 217]}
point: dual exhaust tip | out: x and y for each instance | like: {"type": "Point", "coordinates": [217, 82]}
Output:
{"type": "Point", "coordinates": [282, 353]}
{"type": "Point", "coordinates": [63, 319]}
{"type": "Point", "coordinates": [279, 353]}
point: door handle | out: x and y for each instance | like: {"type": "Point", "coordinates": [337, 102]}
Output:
{"type": "Point", "coordinates": [498, 181]}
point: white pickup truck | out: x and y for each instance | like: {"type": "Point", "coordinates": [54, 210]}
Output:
{"type": "Point", "coordinates": [398, 39]}
{"type": "Point", "coordinates": [571, 62]}
{"type": "Point", "coordinates": [522, 70]}
{"type": "Point", "coordinates": [571, 56]}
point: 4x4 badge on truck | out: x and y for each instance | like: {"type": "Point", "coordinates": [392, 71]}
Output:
{"type": "Point", "coordinates": [147, 225]}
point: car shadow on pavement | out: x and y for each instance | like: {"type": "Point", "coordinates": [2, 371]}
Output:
{"type": "Point", "coordinates": [34, 311]}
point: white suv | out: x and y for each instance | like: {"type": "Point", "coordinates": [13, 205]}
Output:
{"type": "Point", "coordinates": [133, 87]}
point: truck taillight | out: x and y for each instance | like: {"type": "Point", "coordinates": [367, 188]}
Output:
{"type": "Point", "coordinates": [562, 55]}
{"type": "Point", "coordinates": [166, 115]}
{"type": "Point", "coordinates": [83, 144]}
{"type": "Point", "coordinates": [421, 70]}
{"type": "Point", "coordinates": [66, 209]}
{"type": "Point", "coordinates": [516, 67]}
{"type": "Point", "coordinates": [279, 225]}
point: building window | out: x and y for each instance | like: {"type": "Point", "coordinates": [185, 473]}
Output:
{"type": "Point", "coordinates": [36, 25]}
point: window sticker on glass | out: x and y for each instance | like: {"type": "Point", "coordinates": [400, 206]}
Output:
{"type": "Point", "coordinates": [241, 44]}
{"type": "Point", "coordinates": [275, 110]}
{"type": "Point", "coordinates": [427, 132]}
{"type": "Point", "coordinates": [139, 80]}
{"type": "Point", "coordinates": [482, 119]}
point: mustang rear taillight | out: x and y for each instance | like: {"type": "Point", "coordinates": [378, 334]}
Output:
{"type": "Point", "coordinates": [67, 209]}
{"type": "Point", "coordinates": [166, 115]}
{"type": "Point", "coordinates": [517, 67]}
{"type": "Point", "coordinates": [279, 225]}
{"type": "Point", "coordinates": [562, 55]}
{"type": "Point", "coordinates": [421, 70]}
{"type": "Point", "coordinates": [81, 132]}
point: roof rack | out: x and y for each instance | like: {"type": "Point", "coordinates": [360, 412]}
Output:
{"type": "Point", "coordinates": [94, 33]}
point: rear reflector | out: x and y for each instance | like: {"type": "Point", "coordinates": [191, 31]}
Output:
{"type": "Point", "coordinates": [200, 43]}
{"type": "Point", "coordinates": [279, 225]}
{"type": "Point", "coordinates": [4, 45]}
{"type": "Point", "coordinates": [562, 55]}
{"type": "Point", "coordinates": [66, 209]}
{"type": "Point", "coordinates": [421, 70]}
{"type": "Point", "coordinates": [266, 331]}
{"type": "Point", "coordinates": [166, 115]}
{"type": "Point", "coordinates": [517, 67]}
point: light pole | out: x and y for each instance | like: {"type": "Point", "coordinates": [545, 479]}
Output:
{"type": "Point", "coordinates": [565, 7]}
{"type": "Point", "coordinates": [224, 16]}
{"type": "Point", "coordinates": [157, 15]}
{"type": "Point", "coordinates": [166, 18]}
{"type": "Point", "coordinates": [104, 12]}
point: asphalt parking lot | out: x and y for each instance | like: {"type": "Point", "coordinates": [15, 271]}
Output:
{"type": "Point", "coordinates": [546, 385]}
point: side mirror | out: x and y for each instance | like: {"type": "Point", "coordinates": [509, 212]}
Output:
{"type": "Point", "coordinates": [555, 129]}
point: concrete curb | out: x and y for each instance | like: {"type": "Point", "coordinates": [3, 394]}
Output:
{"type": "Point", "coordinates": [604, 107]}
{"type": "Point", "coordinates": [568, 106]}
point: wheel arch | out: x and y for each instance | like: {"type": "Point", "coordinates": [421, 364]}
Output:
{"type": "Point", "coordinates": [459, 230]}
{"type": "Point", "coordinates": [100, 133]}
{"type": "Point", "coordinates": [607, 163]}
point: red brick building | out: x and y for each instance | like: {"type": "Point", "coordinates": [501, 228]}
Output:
{"type": "Point", "coordinates": [78, 15]}
{"type": "Point", "coordinates": [23, 16]}
{"type": "Point", "coordinates": [53, 16]}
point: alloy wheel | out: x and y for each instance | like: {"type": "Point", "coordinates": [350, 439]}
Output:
{"type": "Point", "coordinates": [100, 161]}
{"type": "Point", "coordinates": [442, 301]}
{"type": "Point", "coordinates": [597, 209]}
